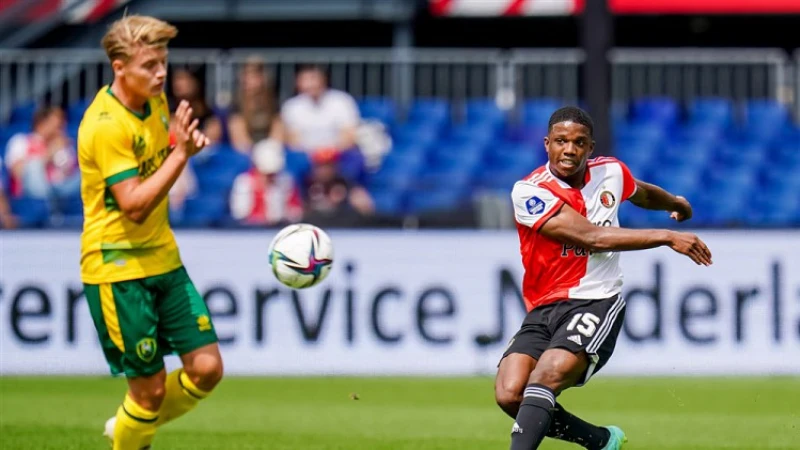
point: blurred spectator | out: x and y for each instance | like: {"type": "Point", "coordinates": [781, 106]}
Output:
{"type": "Point", "coordinates": [7, 219]}
{"type": "Point", "coordinates": [43, 164]}
{"type": "Point", "coordinates": [319, 118]}
{"type": "Point", "coordinates": [266, 195]}
{"type": "Point", "coordinates": [332, 200]}
{"type": "Point", "coordinates": [254, 116]}
{"type": "Point", "coordinates": [186, 86]}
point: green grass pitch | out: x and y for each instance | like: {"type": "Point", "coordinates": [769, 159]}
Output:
{"type": "Point", "coordinates": [407, 413]}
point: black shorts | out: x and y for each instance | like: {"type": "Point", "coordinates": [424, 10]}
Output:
{"type": "Point", "coordinates": [576, 325]}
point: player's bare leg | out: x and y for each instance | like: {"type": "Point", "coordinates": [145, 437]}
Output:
{"type": "Point", "coordinates": [173, 395]}
{"type": "Point", "coordinates": [539, 415]}
{"type": "Point", "coordinates": [512, 377]}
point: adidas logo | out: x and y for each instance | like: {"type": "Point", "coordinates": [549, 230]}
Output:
{"type": "Point", "coordinates": [576, 338]}
{"type": "Point", "coordinates": [516, 428]}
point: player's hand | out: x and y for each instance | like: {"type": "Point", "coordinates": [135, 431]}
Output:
{"type": "Point", "coordinates": [682, 209]}
{"type": "Point", "coordinates": [690, 245]}
{"type": "Point", "coordinates": [187, 137]}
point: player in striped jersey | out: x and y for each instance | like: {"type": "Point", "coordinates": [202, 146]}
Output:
{"type": "Point", "coordinates": [566, 213]}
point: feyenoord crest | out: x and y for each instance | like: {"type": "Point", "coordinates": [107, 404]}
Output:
{"type": "Point", "coordinates": [607, 199]}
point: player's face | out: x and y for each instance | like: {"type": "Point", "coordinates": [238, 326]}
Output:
{"type": "Point", "coordinates": [568, 146]}
{"type": "Point", "coordinates": [145, 72]}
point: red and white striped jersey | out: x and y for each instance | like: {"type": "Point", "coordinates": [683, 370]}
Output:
{"type": "Point", "coordinates": [556, 271]}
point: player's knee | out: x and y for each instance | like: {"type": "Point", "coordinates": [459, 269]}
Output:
{"type": "Point", "coordinates": [206, 372]}
{"type": "Point", "coordinates": [507, 397]}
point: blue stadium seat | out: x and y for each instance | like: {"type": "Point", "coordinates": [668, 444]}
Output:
{"type": "Point", "coordinates": [501, 178]}
{"type": "Point", "coordinates": [537, 112]}
{"type": "Point", "coordinates": [730, 182]}
{"type": "Point", "coordinates": [774, 207]}
{"type": "Point", "coordinates": [403, 148]}
{"type": "Point", "coordinates": [780, 177]}
{"type": "Point", "coordinates": [765, 111]}
{"type": "Point", "coordinates": [388, 201]}
{"type": "Point", "coordinates": [456, 178]}
{"type": "Point", "coordinates": [408, 161]}
{"type": "Point", "coordinates": [777, 206]}
{"type": "Point", "coordinates": [298, 164]}
{"type": "Point", "coordinates": [398, 180]}
{"type": "Point", "coordinates": [23, 114]}
{"type": "Point", "coordinates": [783, 218]}
{"type": "Point", "coordinates": [737, 154]}
{"type": "Point", "coordinates": [439, 200]}
{"type": "Point", "coordinates": [661, 110]}
{"type": "Point", "coordinates": [764, 120]}
{"type": "Point", "coordinates": [416, 133]}
{"type": "Point", "coordinates": [216, 173]}
{"type": "Point", "coordinates": [711, 111]}
{"type": "Point", "coordinates": [76, 110]}
{"type": "Point", "coordinates": [72, 205]}
{"type": "Point", "coordinates": [202, 211]}
{"type": "Point", "coordinates": [378, 108]}
{"type": "Point", "coordinates": [484, 111]}
{"type": "Point", "coordinates": [512, 155]}
{"type": "Point", "coordinates": [31, 212]}
{"type": "Point", "coordinates": [465, 156]}
{"type": "Point", "coordinates": [677, 154]}
{"type": "Point", "coordinates": [730, 210]}
{"type": "Point", "coordinates": [639, 132]}
{"type": "Point", "coordinates": [619, 112]}
{"type": "Point", "coordinates": [479, 133]}
{"type": "Point", "coordinates": [528, 134]}
{"type": "Point", "coordinates": [637, 155]}
{"type": "Point", "coordinates": [72, 131]}
{"type": "Point", "coordinates": [72, 210]}
{"type": "Point", "coordinates": [787, 153]}
{"type": "Point", "coordinates": [430, 111]}
{"type": "Point", "coordinates": [706, 134]}
{"type": "Point", "coordinates": [679, 180]}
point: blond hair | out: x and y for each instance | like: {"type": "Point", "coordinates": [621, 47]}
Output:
{"type": "Point", "coordinates": [126, 34]}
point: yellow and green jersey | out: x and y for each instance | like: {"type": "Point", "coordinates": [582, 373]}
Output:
{"type": "Point", "coordinates": [115, 144]}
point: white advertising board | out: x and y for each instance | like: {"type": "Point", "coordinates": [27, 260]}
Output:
{"type": "Point", "coordinates": [418, 303]}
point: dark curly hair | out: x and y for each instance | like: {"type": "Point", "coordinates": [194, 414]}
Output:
{"type": "Point", "coordinates": [571, 114]}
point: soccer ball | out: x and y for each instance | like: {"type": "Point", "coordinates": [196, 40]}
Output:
{"type": "Point", "coordinates": [301, 255]}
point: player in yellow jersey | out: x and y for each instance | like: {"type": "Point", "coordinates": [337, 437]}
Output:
{"type": "Point", "coordinates": [143, 304]}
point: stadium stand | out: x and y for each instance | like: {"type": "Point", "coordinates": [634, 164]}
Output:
{"type": "Point", "coordinates": [728, 158]}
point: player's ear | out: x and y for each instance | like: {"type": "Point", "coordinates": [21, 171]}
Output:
{"type": "Point", "coordinates": [591, 147]}
{"type": "Point", "coordinates": [118, 66]}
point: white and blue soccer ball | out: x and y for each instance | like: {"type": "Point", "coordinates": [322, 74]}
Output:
{"type": "Point", "coordinates": [301, 255]}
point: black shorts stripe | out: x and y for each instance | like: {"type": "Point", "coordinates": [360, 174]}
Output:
{"type": "Point", "coordinates": [605, 328]}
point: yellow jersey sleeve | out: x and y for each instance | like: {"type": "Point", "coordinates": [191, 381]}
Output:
{"type": "Point", "coordinates": [114, 154]}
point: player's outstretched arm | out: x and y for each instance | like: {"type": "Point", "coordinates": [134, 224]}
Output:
{"type": "Point", "coordinates": [137, 198]}
{"type": "Point", "coordinates": [650, 196]}
{"type": "Point", "coordinates": [567, 226]}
